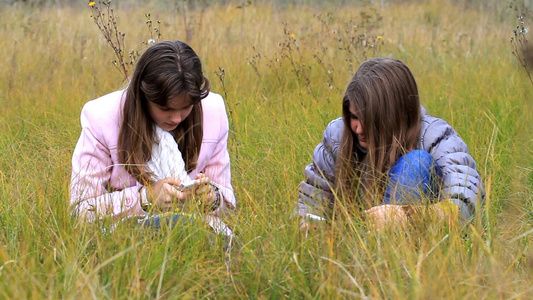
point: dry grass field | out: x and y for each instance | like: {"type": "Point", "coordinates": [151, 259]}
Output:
{"type": "Point", "coordinates": [282, 69]}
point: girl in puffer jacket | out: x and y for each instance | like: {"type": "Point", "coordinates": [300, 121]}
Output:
{"type": "Point", "coordinates": [386, 156]}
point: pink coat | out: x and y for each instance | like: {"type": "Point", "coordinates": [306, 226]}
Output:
{"type": "Point", "coordinates": [100, 186]}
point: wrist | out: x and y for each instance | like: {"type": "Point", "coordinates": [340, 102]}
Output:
{"type": "Point", "coordinates": [146, 205]}
{"type": "Point", "coordinates": [217, 198]}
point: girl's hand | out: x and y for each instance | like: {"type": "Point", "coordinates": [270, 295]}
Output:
{"type": "Point", "coordinates": [384, 216]}
{"type": "Point", "coordinates": [202, 191]}
{"type": "Point", "coordinates": [205, 192]}
{"type": "Point", "coordinates": [203, 185]}
{"type": "Point", "coordinates": [164, 196]}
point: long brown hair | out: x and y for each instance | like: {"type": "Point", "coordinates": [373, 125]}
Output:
{"type": "Point", "coordinates": [165, 71]}
{"type": "Point", "coordinates": [384, 94]}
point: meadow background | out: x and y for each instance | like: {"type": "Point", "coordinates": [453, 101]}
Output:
{"type": "Point", "coordinates": [282, 68]}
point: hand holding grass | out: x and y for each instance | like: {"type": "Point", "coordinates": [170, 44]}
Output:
{"type": "Point", "coordinates": [383, 216]}
{"type": "Point", "coordinates": [205, 192]}
{"type": "Point", "coordinates": [164, 195]}
{"type": "Point", "coordinates": [203, 186]}
{"type": "Point", "coordinates": [389, 215]}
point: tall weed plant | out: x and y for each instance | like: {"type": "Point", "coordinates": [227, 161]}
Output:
{"type": "Point", "coordinates": [282, 71]}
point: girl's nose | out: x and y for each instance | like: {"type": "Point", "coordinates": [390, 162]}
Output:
{"type": "Point", "coordinates": [175, 118]}
{"type": "Point", "coordinates": [358, 128]}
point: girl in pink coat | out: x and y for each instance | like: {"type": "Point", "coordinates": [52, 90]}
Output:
{"type": "Point", "coordinates": [139, 145]}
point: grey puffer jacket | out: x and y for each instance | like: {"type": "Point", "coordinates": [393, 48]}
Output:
{"type": "Point", "coordinates": [461, 180]}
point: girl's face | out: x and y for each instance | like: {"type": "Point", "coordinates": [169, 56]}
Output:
{"type": "Point", "coordinates": [357, 127]}
{"type": "Point", "coordinates": [170, 116]}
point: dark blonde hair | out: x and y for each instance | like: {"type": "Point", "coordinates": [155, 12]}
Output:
{"type": "Point", "coordinates": [165, 71]}
{"type": "Point", "coordinates": [384, 95]}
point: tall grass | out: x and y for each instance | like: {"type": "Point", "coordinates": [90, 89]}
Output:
{"type": "Point", "coordinates": [285, 71]}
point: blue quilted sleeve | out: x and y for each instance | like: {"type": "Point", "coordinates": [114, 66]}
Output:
{"type": "Point", "coordinates": [315, 194]}
{"type": "Point", "coordinates": [461, 181]}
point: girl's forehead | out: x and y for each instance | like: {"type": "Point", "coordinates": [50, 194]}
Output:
{"type": "Point", "coordinates": [178, 102]}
